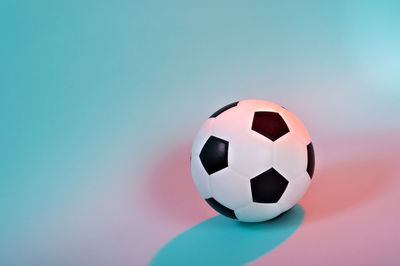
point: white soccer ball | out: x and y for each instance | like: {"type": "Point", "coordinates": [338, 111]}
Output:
{"type": "Point", "coordinates": [252, 160]}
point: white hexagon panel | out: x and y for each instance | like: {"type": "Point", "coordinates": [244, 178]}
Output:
{"type": "Point", "coordinates": [252, 160]}
{"type": "Point", "coordinates": [290, 156]}
{"type": "Point", "coordinates": [255, 212]}
{"type": "Point", "coordinates": [250, 154]}
{"type": "Point", "coordinates": [230, 189]}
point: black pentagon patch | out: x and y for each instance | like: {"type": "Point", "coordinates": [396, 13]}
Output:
{"type": "Point", "coordinates": [221, 208]}
{"type": "Point", "coordinates": [223, 109]}
{"type": "Point", "coordinates": [214, 155]}
{"type": "Point", "coordinates": [268, 187]}
{"type": "Point", "coordinates": [269, 124]}
{"type": "Point", "coordinates": [310, 159]}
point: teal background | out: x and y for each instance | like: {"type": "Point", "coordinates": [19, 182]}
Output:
{"type": "Point", "coordinates": [92, 91]}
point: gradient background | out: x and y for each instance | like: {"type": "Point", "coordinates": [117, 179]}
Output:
{"type": "Point", "coordinates": [100, 101]}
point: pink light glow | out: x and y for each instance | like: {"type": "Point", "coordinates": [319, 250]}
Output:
{"type": "Point", "coordinates": [352, 209]}
{"type": "Point", "coordinates": [171, 190]}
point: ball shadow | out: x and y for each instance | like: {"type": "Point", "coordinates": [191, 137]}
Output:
{"type": "Point", "coordinates": [222, 241]}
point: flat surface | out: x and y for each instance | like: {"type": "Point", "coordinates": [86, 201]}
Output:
{"type": "Point", "coordinates": [100, 102]}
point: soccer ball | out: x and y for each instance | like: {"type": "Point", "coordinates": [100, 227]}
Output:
{"type": "Point", "coordinates": [252, 160]}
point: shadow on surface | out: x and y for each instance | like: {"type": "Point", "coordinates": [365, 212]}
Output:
{"type": "Point", "coordinates": [221, 241]}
